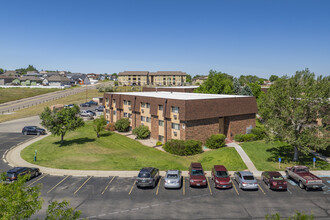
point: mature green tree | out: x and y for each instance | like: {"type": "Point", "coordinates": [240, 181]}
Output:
{"type": "Point", "coordinates": [237, 87]}
{"type": "Point", "coordinates": [23, 71]}
{"type": "Point", "coordinates": [188, 78]}
{"type": "Point", "coordinates": [196, 76]}
{"type": "Point", "coordinates": [273, 78]}
{"type": "Point", "coordinates": [217, 83]}
{"type": "Point", "coordinates": [246, 90]}
{"type": "Point", "coordinates": [99, 124]}
{"type": "Point", "coordinates": [114, 74]}
{"type": "Point", "coordinates": [18, 201]}
{"type": "Point", "coordinates": [256, 89]}
{"type": "Point", "coordinates": [296, 110]}
{"type": "Point", "coordinates": [1, 71]}
{"type": "Point", "coordinates": [59, 122]}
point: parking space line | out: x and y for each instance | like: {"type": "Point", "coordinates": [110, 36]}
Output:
{"type": "Point", "coordinates": [58, 184]}
{"type": "Point", "coordinates": [158, 186]}
{"type": "Point", "coordinates": [234, 186]}
{"type": "Point", "coordinates": [37, 180]}
{"type": "Point", "coordinates": [183, 186]}
{"type": "Point", "coordinates": [131, 188]}
{"type": "Point", "coordinates": [208, 183]}
{"type": "Point", "coordinates": [261, 189]}
{"type": "Point", "coordinates": [108, 185]}
{"type": "Point", "coordinates": [82, 185]}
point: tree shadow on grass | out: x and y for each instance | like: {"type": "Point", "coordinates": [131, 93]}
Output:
{"type": "Point", "coordinates": [75, 141]}
{"type": "Point", "coordinates": [286, 152]}
{"type": "Point", "coordinates": [107, 134]}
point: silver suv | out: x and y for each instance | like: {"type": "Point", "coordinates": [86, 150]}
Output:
{"type": "Point", "coordinates": [85, 113]}
{"type": "Point", "coordinates": [147, 177]}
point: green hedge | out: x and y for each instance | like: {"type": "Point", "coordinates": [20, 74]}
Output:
{"type": "Point", "coordinates": [259, 132]}
{"type": "Point", "coordinates": [183, 148]}
{"type": "Point", "coordinates": [216, 141]}
{"type": "Point", "coordinates": [245, 137]}
{"type": "Point", "coordinates": [141, 132]}
{"type": "Point", "coordinates": [122, 124]}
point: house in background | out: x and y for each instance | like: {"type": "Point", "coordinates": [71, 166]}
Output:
{"type": "Point", "coordinates": [199, 80]}
{"type": "Point", "coordinates": [30, 80]}
{"type": "Point", "coordinates": [59, 80]}
{"type": "Point", "coordinates": [6, 80]}
{"type": "Point", "coordinates": [80, 79]}
{"type": "Point", "coordinates": [11, 73]}
{"type": "Point", "coordinates": [34, 73]}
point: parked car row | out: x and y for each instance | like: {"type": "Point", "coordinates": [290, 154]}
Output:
{"type": "Point", "coordinates": [149, 176]}
{"type": "Point", "coordinates": [88, 104]}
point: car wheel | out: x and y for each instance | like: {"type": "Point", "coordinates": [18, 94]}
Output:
{"type": "Point", "coordinates": [301, 185]}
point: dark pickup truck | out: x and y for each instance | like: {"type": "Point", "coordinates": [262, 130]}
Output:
{"type": "Point", "coordinates": [304, 178]}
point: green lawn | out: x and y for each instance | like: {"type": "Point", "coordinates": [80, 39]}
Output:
{"type": "Point", "coordinates": [265, 156]}
{"type": "Point", "coordinates": [112, 151]}
{"type": "Point", "coordinates": [12, 94]}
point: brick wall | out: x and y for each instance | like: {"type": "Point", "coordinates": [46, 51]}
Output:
{"type": "Point", "coordinates": [238, 124]}
{"type": "Point", "coordinates": [201, 129]}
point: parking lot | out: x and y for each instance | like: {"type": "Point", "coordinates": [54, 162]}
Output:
{"type": "Point", "coordinates": [119, 198]}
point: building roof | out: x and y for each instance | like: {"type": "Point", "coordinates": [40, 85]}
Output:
{"type": "Point", "coordinates": [58, 78]}
{"type": "Point", "coordinates": [130, 73]}
{"type": "Point", "coordinates": [11, 73]}
{"type": "Point", "coordinates": [32, 78]}
{"type": "Point", "coordinates": [168, 73]}
{"type": "Point", "coordinates": [180, 95]}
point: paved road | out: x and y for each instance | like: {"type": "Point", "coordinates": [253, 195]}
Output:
{"type": "Point", "coordinates": [27, 102]}
{"type": "Point", "coordinates": [119, 198]}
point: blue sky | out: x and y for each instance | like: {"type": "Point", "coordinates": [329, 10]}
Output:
{"type": "Point", "coordinates": [235, 36]}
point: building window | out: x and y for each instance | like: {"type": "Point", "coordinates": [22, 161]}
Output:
{"type": "Point", "coordinates": [143, 118]}
{"type": "Point", "coordinates": [114, 112]}
{"type": "Point", "coordinates": [129, 115]}
{"type": "Point", "coordinates": [161, 123]}
{"type": "Point", "coordinates": [175, 133]}
{"type": "Point", "coordinates": [125, 114]}
{"type": "Point", "coordinates": [125, 102]}
{"type": "Point", "coordinates": [143, 105]}
{"type": "Point", "coordinates": [161, 138]}
{"type": "Point", "coordinates": [147, 105]}
{"type": "Point", "coordinates": [107, 111]}
{"type": "Point", "coordinates": [160, 107]}
{"type": "Point", "coordinates": [175, 126]}
{"type": "Point", "coordinates": [175, 109]}
{"type": "Point", "coordinates": [148, 119]}
{"type": "Point", "coordinates": [114, 101]}
{"type": "Point", "coordinates": [128, 102]}
{"type": "Point", "coordinates": [107, 100]}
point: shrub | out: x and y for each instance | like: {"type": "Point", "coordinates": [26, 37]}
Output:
{"type": "Point", "coordinates": [192, 147]}
{"type": "Point", "coordinates": [182, 148]}
{"type": "Point", "coordinates": [216, 141]}
{"type": "Point", "coordinates": [175, 147]}
{"type": "Point", "coordinates": [159, 143]}
{"type": "Point", "coordinates": [110, 127]}
{"type": "Point", "coordinates": [141, 132]}
{"type": "Point", "coordinates": [245, 137]}
{"type": "Point", "coordinates": [122, 124]}
{"type": "Point", "coordinates": [259, 132]}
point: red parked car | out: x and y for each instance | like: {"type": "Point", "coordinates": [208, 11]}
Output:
{"type": "Point", "coordinates": [221, 177]}
{"type": "Point", "coordinates": [196, 175]}
{"type": "Point", "coordinates": [274, 180]}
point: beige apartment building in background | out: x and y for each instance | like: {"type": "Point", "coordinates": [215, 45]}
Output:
{"type": "Point", "coordinates": [159, 78]}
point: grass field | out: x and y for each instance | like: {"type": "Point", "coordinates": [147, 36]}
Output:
{"type": "Point", "coordinates": [12, 94]}
{"type": "Point", "coordinates": [265, 156]}
{"type": "Point", "coordinates": [112, 151]}
{"type": "Point", "coordinates": [36, 110]}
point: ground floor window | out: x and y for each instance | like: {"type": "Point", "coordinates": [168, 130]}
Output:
{"type": "Point", "coordinates": [161, 138]}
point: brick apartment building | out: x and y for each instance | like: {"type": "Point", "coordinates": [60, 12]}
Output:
{"type": "Point", "coordinates": [159, 78]}
{"type": "Point", "coordinates": [176, 115]}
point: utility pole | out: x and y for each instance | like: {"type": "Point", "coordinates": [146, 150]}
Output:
{"type": "Point", "coordinates": [86, 92]}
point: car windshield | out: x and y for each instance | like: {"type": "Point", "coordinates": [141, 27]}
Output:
{"type": "Point", "coordinates": [197, 172]}
{"type": "Point", "coordinates": [302, 170]}
{"type": "Point", "coordinates": [277, 178]}
{"type": "Point", "coordinates": [10, 175]}
{"type": "Point", "coordinates": [144, 175]}
{"type": "Point", "coordinates": [172, 176]}
{"type": "Point", "coordinates": [222, 174]}
{"type": "Point", "coordinates": [248, 177]}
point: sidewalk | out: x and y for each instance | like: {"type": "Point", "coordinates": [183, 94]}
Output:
{"type": "Point", "coordinates": [14, 159]}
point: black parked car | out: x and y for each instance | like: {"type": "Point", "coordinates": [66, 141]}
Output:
{"type": "Point", "coordinates": [147, 177]}
{"type": "Point", "coordinates": [85, 105]}
{"type": "Point", "coordinates": [33, 130]}
{"type": "Point", "coordinates": [91, 102]}
{"type": "Point", "coordinates": [99, 108]}
{"type": "Point", "coordinates": [14, 173]}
